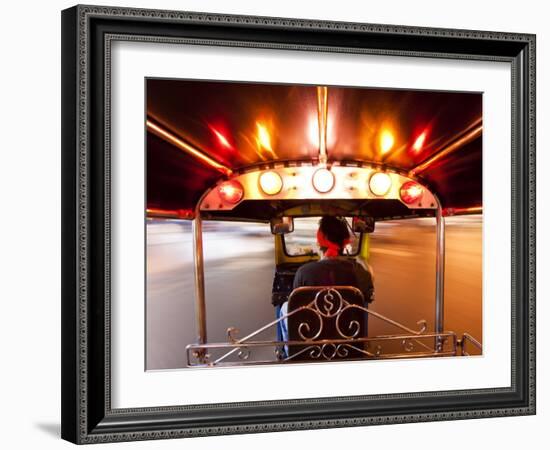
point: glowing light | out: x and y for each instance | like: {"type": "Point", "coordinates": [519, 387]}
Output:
{"type": "Point", "coordinates": [231, 191]}
{"type": "Point", "coordinates": [469, 210]}
{"type": "Point", "coordinates": [454, 146]}
{"type": "Point", "coordinates": [182, 145]}
{"type": "Point", "coordinates": [221, 138]}
{"type": "Point", "coordinates": [419, 142]}
{"type": "Point", "coordinates": [313, 131]}
{"type": "Point", "coordinates": [271, 182]}
{"type": "Point", "coordinates": [264, 139]}
{"type": "Point", "coordinates": [331, 130]}
{"type": "Point", "coordinates": [380, 183]}
{"type": "Point", "coordinates": [170, 213]}
{"type": "Point", "coordinates": [411, 192]}
{"type": "Point", "coordinates": [386, 141]}
{"type": "Point", "coordinates": [323, 180]}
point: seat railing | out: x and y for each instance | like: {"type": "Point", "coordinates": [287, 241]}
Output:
{"type": "Point", "coordinates": [328, 303]}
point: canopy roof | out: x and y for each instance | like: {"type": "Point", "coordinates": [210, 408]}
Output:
{"type": "Point", "coordinates": [199, 131]}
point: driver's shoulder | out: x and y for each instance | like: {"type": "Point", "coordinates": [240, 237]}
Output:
{"type": "Point", "coordinates": [361, 262]}
{"type": "Point", "coordinates": [308, 266]}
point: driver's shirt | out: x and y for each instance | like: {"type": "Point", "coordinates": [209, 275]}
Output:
{"type": "Point", "coordinates": [335, 272]}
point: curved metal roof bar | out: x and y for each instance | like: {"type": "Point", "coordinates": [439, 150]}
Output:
{"type": "Point", "coordinates": [186, 147]}
{"type": "Point", "coordinates": [457, 144]}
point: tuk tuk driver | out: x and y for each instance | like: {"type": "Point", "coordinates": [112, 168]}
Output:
{"type": "Point", "coordinates": [332, 269]}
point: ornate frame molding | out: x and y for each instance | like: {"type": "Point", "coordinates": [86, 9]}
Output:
{"type": "Point", "coordinates": [87, 259]}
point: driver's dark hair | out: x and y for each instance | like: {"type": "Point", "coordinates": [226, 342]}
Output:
{"type": "Point", "coordinates": [335, 229]}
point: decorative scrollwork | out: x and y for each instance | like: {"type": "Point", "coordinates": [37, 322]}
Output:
{"type": "Point", "coordinates": [202, 356]}
{"type": "Point", "coordinates": [407, 345]}
{"type": "Point", "coordinates": [423, 326]}
{"type": "Point", "coordinates": [304, 328]}
{"type": "Point", "coordinates": [342, 351]}
{"type": "Point", "coordinates": [243, 353]}
{"type": "Point", "coordinates": [315, 352]}
{"type": "Point", "coordinates": [329, 351]}
{"type": "Point", "coordinates": [440, 344]}
{"type": "Point", "coordinates": [411, 346]}
{"type": "Point", "coordinates": [231, 334]}
{"type": "Point", "coordinates": [353, 325]}
{"type": "Point", "coordinates": [344, 338]}
{"type": "Point", "coordinates": [331, 302]}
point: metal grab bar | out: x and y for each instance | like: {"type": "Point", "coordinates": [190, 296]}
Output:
{"type": "Point", "coordinates": [322, 349]}
{"type": "Point", "coordinates": [314, 307]}
{"type": "Point", "coordinates": [468, 337]}
{"type": "Point", "coordinates": [328, 303]}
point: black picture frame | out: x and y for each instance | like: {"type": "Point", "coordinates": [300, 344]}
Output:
{"type": "Point", "coordinates": [87, 416]}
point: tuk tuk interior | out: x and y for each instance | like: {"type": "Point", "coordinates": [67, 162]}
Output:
{"type": "Point", "coordinates": [277, 191]}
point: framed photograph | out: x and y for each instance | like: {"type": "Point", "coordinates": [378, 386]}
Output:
{"type": "Point", "coordinates": [280, 224]}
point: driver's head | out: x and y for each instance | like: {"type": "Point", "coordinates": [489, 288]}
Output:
{"type": "Point", "coordinates": [333, 235]}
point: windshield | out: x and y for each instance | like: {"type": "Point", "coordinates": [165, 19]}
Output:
{"type": "Point", "coordinates": [303, 240]}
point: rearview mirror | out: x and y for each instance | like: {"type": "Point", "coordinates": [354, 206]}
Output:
{"type": "Point", "coordinates": [363, 224]}
{"type": "Point", "coordinates": [282, 225]}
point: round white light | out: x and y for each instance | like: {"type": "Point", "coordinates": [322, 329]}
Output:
{"type": "Point", "coordinates": [271, 183]}
{"type": "Point", "coordinates": [380, 184]}
{"type": "Point", "coordinates": [323, 180]}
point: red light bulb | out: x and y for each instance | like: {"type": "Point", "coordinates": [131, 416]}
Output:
{"type": "Point", "coordinates": [231, 191]}
{"type": "Point", "coordinates": [411, 192]}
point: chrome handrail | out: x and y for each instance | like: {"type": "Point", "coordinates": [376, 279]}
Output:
{"type": "Point", "coordinates": [327, 303]}
{"type": "Point", "coordinates": [468, 337]}
{"type": "Point", "coordinates": [318, 349]}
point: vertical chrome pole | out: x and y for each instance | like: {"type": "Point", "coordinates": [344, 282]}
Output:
{"type": "Point", "coordinates": [440, 273]}
{"type": "Point", "coordinates": [200, 303]}
{"type": "Point", "coordinates": [322, 120]}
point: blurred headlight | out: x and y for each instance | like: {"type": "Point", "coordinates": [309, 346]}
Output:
{"type": "Point", "coordinates": [380, 184]}
{"type": "Point", "coordinates": [271, 183]}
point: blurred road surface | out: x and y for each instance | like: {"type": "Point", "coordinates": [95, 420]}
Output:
{"type": "Point", "coordinates": [239, 263]}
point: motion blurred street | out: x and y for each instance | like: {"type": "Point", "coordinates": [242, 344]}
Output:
{"type": "Point", "coordinates": [239, 273]}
